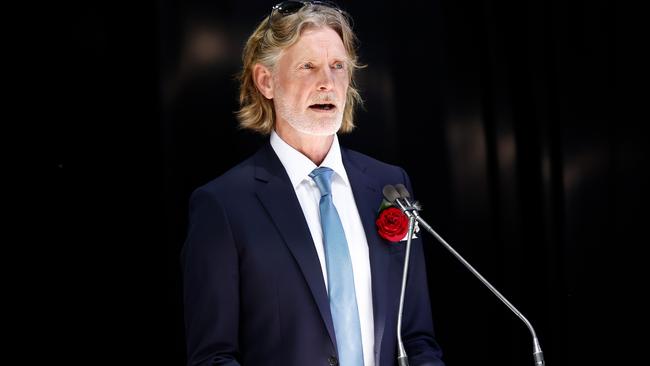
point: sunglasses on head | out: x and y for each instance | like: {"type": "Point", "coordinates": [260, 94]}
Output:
{"type": "Point", "coordinates": [290, 7]}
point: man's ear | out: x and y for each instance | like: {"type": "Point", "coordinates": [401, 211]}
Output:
{"type": "Point", "coordinates": [263, 80]}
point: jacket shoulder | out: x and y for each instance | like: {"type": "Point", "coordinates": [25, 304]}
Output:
{"type": "Point", "coordinates": [235, 181]}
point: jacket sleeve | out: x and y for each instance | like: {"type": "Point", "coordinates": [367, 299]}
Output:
{"type": "Point", "coordinates": [417, 324]}
{"type": "Point", "coordinates": [209, 262]}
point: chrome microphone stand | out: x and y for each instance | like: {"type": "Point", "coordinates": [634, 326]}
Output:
{"type": "Point", "coordinates": [401, 197]}
{"type": "Point", "coordinates": [402, 357]}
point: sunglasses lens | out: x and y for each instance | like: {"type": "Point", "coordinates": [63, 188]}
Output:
{"type": "Point", "coordinates": [289, 7]}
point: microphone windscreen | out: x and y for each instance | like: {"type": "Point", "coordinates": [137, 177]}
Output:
{"type": "Point", "coordinates": [390, 193]}
{"type": "Point", "coordinates": [403, 192]}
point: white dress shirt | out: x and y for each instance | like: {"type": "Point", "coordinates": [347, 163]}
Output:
{"type": "Point", "coordinates": [298, 167]}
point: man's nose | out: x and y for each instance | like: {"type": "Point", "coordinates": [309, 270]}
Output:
{"type": "Point", "coordinates": [326, 79]}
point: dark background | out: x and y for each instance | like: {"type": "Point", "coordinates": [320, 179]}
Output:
{"type": "Point", "coordinates": [512, 119]}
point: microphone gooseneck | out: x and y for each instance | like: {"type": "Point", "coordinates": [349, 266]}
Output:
{"type": "Point", "coordinates": [392, 195]}
{"type": "Point", "coordinates": [411, 209]}
{"type": "Point", "coordinates": [402, 357]}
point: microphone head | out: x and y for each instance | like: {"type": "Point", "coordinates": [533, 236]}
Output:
{"type": "Point", "coordinates": [403, 192]}
{"type": "Point", "coordinates": [390, 193]}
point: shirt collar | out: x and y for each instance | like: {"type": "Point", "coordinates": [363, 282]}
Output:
{"type": "Point", "coordinates": [298, 166]}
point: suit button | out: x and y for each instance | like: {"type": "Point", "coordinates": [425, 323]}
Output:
{"type": "Point", "coordinates": [333, 361]}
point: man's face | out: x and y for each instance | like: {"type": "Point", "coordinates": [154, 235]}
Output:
{"type": "Point", "coordinates": [310, 83]}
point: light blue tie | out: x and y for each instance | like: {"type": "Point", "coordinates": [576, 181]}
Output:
{"type": "Point", "coordinates": [340, 281]}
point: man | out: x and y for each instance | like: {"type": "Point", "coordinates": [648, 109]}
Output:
{"type": "Point", "coordinates": [283, 264]}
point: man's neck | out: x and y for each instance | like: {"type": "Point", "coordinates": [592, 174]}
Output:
{"type": "Point", "coordinates": [313, 147]}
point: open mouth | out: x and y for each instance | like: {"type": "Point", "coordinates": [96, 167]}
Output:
{"type": "Point", "coordinates": [322, 107]}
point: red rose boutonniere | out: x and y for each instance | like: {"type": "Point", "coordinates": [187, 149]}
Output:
{"type": "Point", "coordinates": [392, 223]}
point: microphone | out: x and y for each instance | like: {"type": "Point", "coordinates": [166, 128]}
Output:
{"type": "Point", "coordinates": [411, 208]}
{"type": "Point", "coordinates": [391, 193]}
{"type": "Point", "coordinates": [406, 196]}
{"type": "Point", "coordinates": [393, 196]}
{"type": "Point", "coordinates": [403, 192]}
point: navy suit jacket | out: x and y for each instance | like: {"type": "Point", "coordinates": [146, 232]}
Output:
{"type": "Point", "coordinates": [254, 292]}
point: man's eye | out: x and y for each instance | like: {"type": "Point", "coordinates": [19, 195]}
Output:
{"type": "Point", "coordinates": [338, 66]}
{"type": "Point", "coordinates": [307, 66]}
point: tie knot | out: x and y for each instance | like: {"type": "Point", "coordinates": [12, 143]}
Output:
{"type": "Point", "coordinates": [323, 178]}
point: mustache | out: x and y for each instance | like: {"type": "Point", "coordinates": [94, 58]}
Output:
{"type": "Point", "coordinates": [323, 98]}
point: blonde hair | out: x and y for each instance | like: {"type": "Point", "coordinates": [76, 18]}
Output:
{"type": "Point", "coordinates": [264, 46]}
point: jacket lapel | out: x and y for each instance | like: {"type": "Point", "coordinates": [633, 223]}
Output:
{"type": "Point", "coordinates": [368, 198]}
{"type": "Point", "coordinates": [276, 193]}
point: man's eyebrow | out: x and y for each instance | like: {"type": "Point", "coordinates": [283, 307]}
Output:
{"type": "Point", "coordinates": [309, 58]}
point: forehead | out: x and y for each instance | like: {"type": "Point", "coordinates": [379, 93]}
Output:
{"type": "Point", "coordinates": [315, 42]}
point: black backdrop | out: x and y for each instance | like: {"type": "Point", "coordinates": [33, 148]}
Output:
{"type": "Point", "coordinates": [508, 117]}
